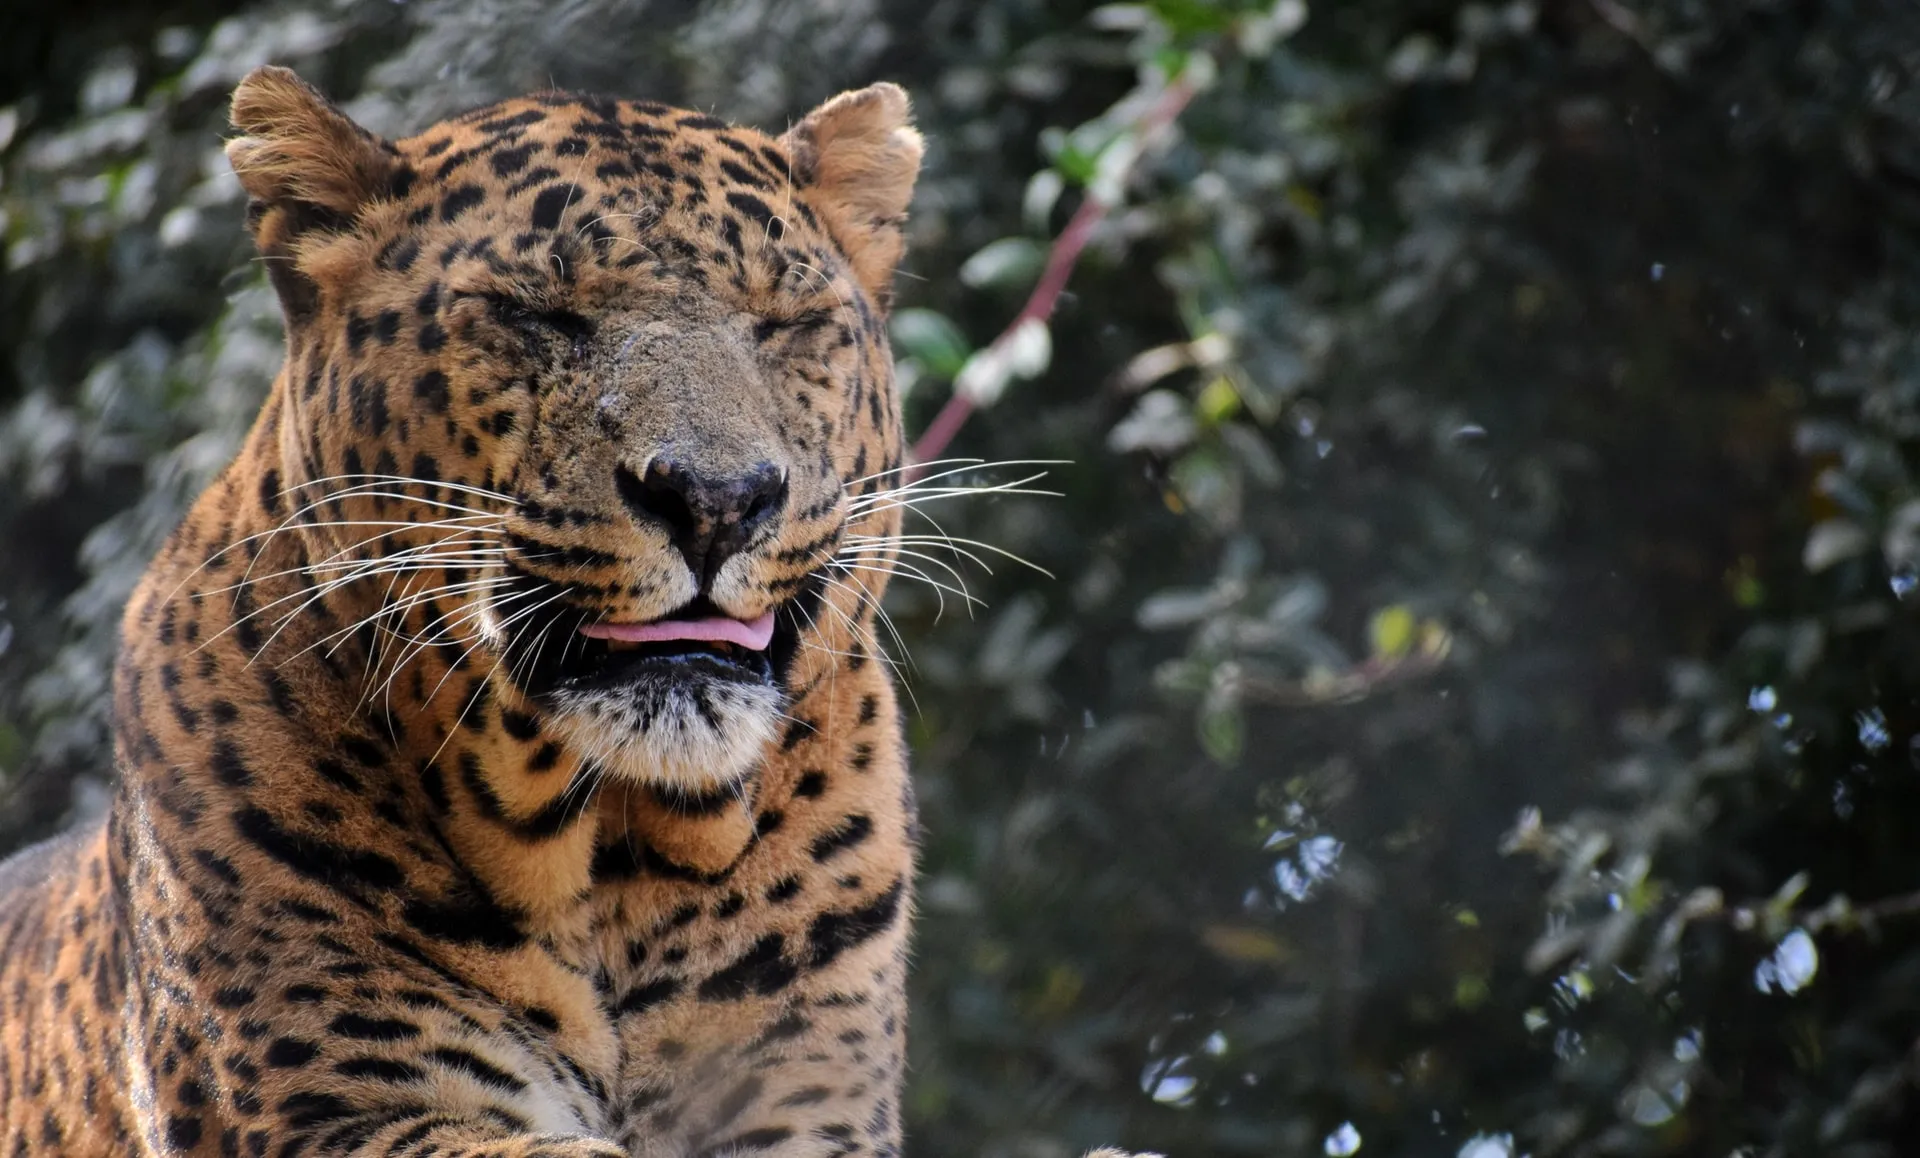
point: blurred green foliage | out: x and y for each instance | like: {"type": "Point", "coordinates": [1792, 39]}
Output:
{"type": "Point", "coordinates": [1475, 709]}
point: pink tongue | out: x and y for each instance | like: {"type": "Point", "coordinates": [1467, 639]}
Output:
{"type": "Point", "coordinates": [752, 634]}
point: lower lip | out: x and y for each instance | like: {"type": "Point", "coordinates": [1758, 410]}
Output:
{"type": "Point", "coordinates": [621, 668]}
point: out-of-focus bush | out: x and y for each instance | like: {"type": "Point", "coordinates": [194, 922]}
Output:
{"type": "Point", "coordinates": [1472, 710]}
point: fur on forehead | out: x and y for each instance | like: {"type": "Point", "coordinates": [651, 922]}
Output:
{"type": "Point", "coordinates": [314, 178]}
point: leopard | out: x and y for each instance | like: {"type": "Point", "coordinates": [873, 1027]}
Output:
{"type": "Point", "coordinates": [505, 765]}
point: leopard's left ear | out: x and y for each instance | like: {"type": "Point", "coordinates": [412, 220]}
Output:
{"type": "Point", "coordinates": [858, 156]}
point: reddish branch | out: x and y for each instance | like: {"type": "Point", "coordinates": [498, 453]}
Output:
{"type": "Point", "coordinates": [1062, 256]}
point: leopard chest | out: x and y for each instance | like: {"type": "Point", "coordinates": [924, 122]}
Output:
{"type": "Point", "coordinates": [754, 1017]}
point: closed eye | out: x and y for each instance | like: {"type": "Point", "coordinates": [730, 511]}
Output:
{"type": "Point", "coordinates": [540, 325]}
{"type": "Point", "coordinates": [522, 316]}
{"type": "Point", "coordinates": [766, 328]}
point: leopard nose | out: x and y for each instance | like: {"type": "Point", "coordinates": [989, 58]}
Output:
{"type": "Point", "coordinates": [707, 515]}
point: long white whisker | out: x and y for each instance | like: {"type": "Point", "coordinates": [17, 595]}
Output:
{"type": "Point", "coordinates": [891, 500]}
{"type": "Point", "coordinates": [369, 492]}
{"type": "Point", "coordinates": [442, 628]}
{"type": "Point", "coordinates": [954, 544]}
{"type": "Point", "coordinates": [892, 559]}
{"type": "Point", "coordinates": [337, 560]}
{"type": "Point", "coordinates": [469, 610]}
{"type": "Point", "coordinates": [480, 492]}
{"type": "Point", "coordinates": [864, 597]}
{"type": "Point", "coordinates": [505, 629]}
{"type": "Point", "coordinates": [926, 482]}
{"type": "Point", "coordinates": [384, 637]}
{"type": "Point", "coordinates": [906, 571]}
{"type": "Point", "coordinates": [892, 563]}
{"type": "Point", "coordinates": [429, 636]}
{"type": "Point", "coordinates": [955, 466]}
{"type": "Point", "coordinates": [320, 591]}
{"type": "Point", "coordinates": [398, 608]}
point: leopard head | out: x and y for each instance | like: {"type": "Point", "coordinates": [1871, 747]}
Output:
{"type": "Point", "coordinates": [592, 396]}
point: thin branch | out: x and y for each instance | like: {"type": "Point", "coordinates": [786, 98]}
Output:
{"type": "Point", "coordinates": [1351, 686]}
{"type": "Point", "coordinates": [1062, 256]}
{"type": "Point", "coordinates": [1627, 23]}
{"type": "Point", "coordinates": [1840, 914]}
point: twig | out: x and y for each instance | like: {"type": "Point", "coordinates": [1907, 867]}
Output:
{"type": "Point", "coordinates": [1346, 687]}
{"type": "Point", "coordinates": [1062, 256]}
{"type": "Point", "coordinates": [1847, 916]}
{"type": "Point", "coordinates": [1627, 23]}
{"type": "Point", "coordinates": [1619, 16]}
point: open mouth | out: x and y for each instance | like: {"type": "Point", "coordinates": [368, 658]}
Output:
{"type": "Point", "coordinates": [693, 640]}
{"type": "Point", "coordinates": [571, 652]}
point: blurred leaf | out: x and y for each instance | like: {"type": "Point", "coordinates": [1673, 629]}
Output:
{"type": "Point", "coordinates": [1009, 261]}
{"type": "Point", "coordinates": [1246, 944]}
{"type": "Point", "coordinates": [1832, 542]}
{"type": "Point", "coordinates": [929, 336]}
{"type": "Point", "coordinates": [1036, 207]}
{"type": "Point", "coordinates": [1165, 609]}
{"type": "Point", "coordinates": [1223, 732]}
{"type": "Point", "coordinates": [1161, 422]}
{"type": "Point", "coordinates": [1391, 631]}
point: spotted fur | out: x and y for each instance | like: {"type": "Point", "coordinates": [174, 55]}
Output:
{"type": "Point", "coordinates": [366, 888]}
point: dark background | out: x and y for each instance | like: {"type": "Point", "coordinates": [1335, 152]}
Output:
{"type": "Point", "coordinates": [1473, 710]}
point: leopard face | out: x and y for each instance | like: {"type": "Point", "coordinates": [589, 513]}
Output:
{"type": "Point", "coordinates": [598, 390]}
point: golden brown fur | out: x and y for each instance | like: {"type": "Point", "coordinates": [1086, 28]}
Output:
{"type": "Point", "coordinates": [368, 886]}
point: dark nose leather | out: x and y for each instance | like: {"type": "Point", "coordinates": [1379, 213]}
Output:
{"type": "Point", "coordinates": [707, 515]}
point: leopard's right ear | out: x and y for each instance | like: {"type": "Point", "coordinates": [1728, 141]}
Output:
{"type": "Point", "coordinates": [308, 171]}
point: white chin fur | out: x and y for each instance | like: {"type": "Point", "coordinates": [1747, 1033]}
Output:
{"type": "Point", "coordinates": [660, 733]}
